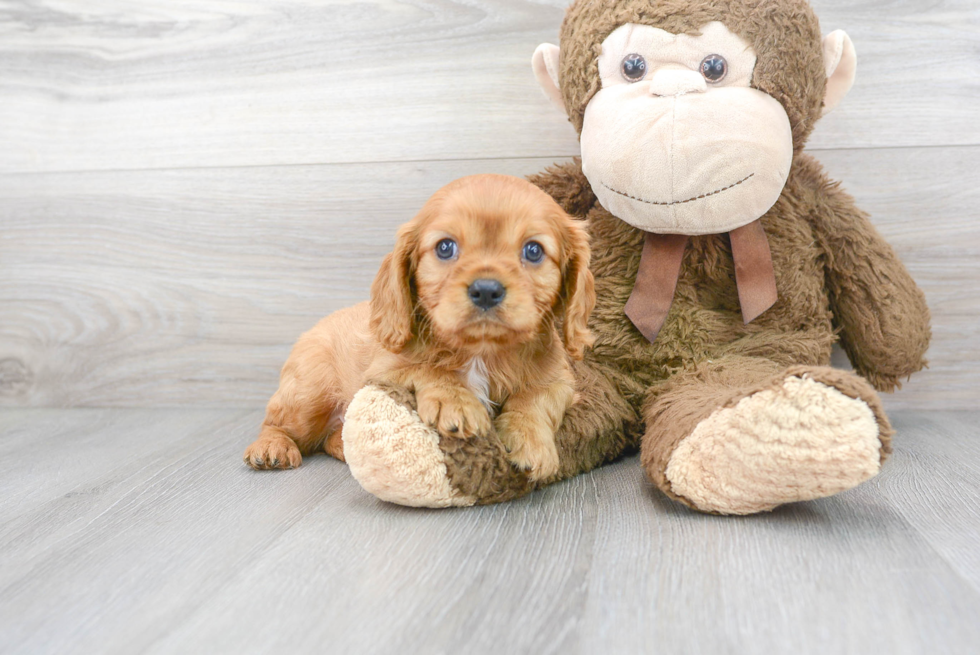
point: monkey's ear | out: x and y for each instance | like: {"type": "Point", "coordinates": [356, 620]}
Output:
{"type": "Point", "coordinates": [840, 61]}
{"type": "Point", "coordinates": [545, 65]}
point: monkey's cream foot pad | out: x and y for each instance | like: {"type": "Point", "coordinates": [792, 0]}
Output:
{"type": "Point", "coordinates": [393, 455]}
{"type": "Point", "coordinates": [800, 441]}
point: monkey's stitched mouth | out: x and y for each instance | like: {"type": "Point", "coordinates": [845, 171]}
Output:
{"type": "Point", "coordinates": [679, 202]}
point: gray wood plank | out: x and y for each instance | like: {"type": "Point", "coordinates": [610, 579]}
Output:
{"type": "Point", "coordinates": [117, 567]}
{"type": "Point", "coordinates": [195, 553]}
{"type": "Point", "coordinates": [481, 580]}
{"type": "Point", "coordinates": [208, 274]}
{"type": "Point", "coordinates": [96, 86]}
{"type": "Point", "coordinates": [69, 451]}
{"type": "Point", "coordinates": [933, 481]}
{"type": "Point", "coordinates": [172, 288]}
{"type": "Point", "coordinates": [823, 576]}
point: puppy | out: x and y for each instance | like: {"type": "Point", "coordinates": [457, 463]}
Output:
{"type": "Point", "coordinates": [477, 312]}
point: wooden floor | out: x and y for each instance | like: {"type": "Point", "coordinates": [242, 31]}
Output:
{"type": "Point", "coordinates": [187, 186]}
{"type": "Point", "coordinates": [133, 530]}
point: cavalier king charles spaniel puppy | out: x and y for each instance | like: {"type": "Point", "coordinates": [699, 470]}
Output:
{"type": "Point", "coordinates": [477, 312]}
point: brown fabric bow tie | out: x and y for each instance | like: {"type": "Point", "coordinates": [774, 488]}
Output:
{"type": "Point", "coordinates": [660, 266]}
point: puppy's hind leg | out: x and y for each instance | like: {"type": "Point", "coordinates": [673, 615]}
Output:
{"type": "Point", "coordinates": [299, 417]}
{"type": "Point", "coordinates": [333, 445]}
{"type": "Point", "coordinates": [290, 431]}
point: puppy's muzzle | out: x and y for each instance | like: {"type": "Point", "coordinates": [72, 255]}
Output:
{"type": "Point", "coordinates": [486, 293]}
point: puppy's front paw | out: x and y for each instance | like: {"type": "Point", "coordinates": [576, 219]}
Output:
{"type": "Point", "coordinates": [534, 453]}
{"type": "Point", "coordinates": [275, 452]}
{"type": "Point", "coordinates": [539, 459]}
{"type": "Point", "coordinates": [453, 413]}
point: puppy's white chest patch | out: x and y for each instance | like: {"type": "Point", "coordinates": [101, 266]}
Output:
{"type": "Point", "coordinates": [478, 381]}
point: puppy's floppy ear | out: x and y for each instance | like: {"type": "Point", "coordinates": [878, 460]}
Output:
{"type": "Point", "coordinates": [392, 302]}
{"type": "Point", "coordinates": [577, 297]}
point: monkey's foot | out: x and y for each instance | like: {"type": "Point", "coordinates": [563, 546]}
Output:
{"type": "Point", "coordinates": [394, 456]}
{"type": "Point", "coordinates": [799, 440]}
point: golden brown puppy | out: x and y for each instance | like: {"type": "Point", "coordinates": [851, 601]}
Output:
{"type": "Point", "coordinates": [465, 313]}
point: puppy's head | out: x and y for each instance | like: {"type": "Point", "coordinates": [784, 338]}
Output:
{"type": "Point", "coordinates": [489, 260]}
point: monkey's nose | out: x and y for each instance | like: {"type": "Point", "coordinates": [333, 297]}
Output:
{"type": "Point", "coordinates": [675, 82]}
{"type": "Point", "coordinates": [486, 293]}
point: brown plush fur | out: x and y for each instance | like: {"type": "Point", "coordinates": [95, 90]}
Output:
{"type": "Point", "coordinates": [786, 36]}
{"type": "Point", "coordinates": [836, 277]}
{"type": "Point", "coordinates": [426, 333]}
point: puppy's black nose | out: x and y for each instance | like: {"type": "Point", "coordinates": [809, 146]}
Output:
{"type": "Point", "coordinates": [487, 293]}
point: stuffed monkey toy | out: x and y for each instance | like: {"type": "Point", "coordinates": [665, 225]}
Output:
{"type": "Point", "coordinates": [726, 264]}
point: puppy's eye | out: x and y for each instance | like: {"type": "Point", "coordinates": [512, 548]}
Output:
{"type": "Point", "coordinates": [533, 252]}
{"type": "Point", "coordinates": [446, 249]}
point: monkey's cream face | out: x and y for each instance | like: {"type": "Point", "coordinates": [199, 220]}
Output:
{"type": "Point", "coordinates": [677, 141]}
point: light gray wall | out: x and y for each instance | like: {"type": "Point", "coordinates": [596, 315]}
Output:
{"type": "Point", "coordinates": [186, 187]}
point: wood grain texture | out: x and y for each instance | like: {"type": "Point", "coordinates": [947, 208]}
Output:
{"type": "Point", "coordinates": [188, 287]}
{"type": "Point", "coordinates": [143, 84]}
{"type": "Point", "coordinates": [173, 288]}
{"type": "Point", "coordinates": [186, 186]}
{"type": "Point", "coordinates": [147, 534]}
{"type": "Point", "coordinates": [820, 573]}
{"type": "Point", "coordinates": [934, 483]}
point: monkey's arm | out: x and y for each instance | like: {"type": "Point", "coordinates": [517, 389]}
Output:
{"type": "Point", "coordinates": [882, 314]}
{"type": "Point", "coordinates": [567, 184]}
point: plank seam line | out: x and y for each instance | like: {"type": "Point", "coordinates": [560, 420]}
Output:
{"type": "Point", "coordinates": [419, 161]}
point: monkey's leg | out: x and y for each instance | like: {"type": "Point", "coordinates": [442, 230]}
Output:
{"type": "Point", "coordinates": [397, 458]}
{"type": "Point", "coordinates": [740, 435]}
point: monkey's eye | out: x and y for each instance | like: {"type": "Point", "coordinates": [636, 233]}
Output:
{"type": "Point", "coordinates": [714, 68]}
{"type": "Point", "coordinates": [533, 252]}
{"type": "Point", "coordinates": [446, 249]}
{"type": "Point", "coordinates": [634, 67]}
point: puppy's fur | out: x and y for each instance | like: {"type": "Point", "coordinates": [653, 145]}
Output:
{"type": "Point", "coordinates": [424, 330]}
